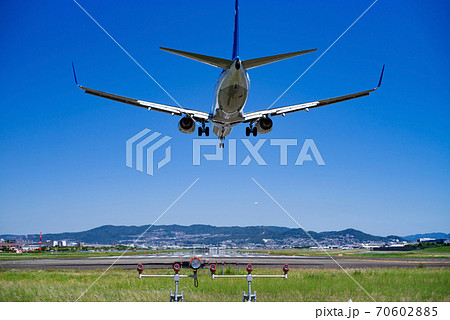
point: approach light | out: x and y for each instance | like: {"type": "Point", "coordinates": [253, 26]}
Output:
{"type": "Point", "coordinates": [249, 268]}
{"type": "Point", "coordinates": [140, 268]}
{"type": "Point", "coordinates": [285, 268]}
{"type": "Point", "coordinates": [213, 268]}
{"type": "Point", "coordinates": [176, 267]}
{"type": "Point", "coordinates": [195, 263]}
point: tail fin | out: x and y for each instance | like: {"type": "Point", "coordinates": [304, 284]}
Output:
{"type": "Point", "coordinates": [253, 63]}
{"type": "Point", "coordinates": [213, 61]}
{"type": "Point", "coordinates": [235, 54]}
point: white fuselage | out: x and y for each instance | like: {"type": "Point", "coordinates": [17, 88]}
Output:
{"type": "Point", "coordinates": [230, 96]}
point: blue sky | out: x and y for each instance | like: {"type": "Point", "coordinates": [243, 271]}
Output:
{"type": "Point", "coordinates": [63, 152]}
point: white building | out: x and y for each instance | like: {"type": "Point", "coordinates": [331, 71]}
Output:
{"type": "Point", "coordinates": [60, 243]}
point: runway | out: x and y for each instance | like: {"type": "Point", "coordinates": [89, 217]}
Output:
{"type": "Point", "coordinates": [166, 261]}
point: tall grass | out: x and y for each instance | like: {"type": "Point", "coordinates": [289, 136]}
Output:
{"type": "Point", "coordinates": [419, 284]}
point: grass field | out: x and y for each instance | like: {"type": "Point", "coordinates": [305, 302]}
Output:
{"type": "Point", "coordinates": [419, 284]}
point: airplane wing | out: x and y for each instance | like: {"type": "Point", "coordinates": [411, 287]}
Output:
{"type": "Point", "coordinates": [196, 115]}
{"type": "Point", "coordinates": [253, 116]}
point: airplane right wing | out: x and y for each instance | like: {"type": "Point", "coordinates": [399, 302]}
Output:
{"type": "Point", "coordinates": [254, 116]}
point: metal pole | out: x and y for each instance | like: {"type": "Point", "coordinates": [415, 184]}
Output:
{"type": "Point", "coordinates": [176, 290]}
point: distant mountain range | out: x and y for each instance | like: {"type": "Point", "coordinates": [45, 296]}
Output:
{"type": "Point", "coordinates": [206, 234]}
{"type": "Point", "coordinates": [433, 235]}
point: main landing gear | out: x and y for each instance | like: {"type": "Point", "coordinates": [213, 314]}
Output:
{"type": "Point", "coordinates": [251, 130]}
{"type": "Point", "coordinates": [204, 130]}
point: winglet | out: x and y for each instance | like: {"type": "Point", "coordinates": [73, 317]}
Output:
{"type": "Point", "coordinates": [74, 74]}
{"type": "Point", "coordinates": [381, 76]}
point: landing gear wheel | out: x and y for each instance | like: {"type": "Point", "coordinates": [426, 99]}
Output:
{"type": "Point", "coordinates": [254, 131]}
{"type": "Point", "coordinates": [247, 131]}
{"type": "Point", "coordinates": [204, 130]}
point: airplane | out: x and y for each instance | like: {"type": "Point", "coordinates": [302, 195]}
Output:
{"type": "Point", "coordinates": [230, 95]}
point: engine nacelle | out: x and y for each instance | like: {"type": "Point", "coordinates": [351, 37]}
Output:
{"type": "Point", "coordinates": [264, 125]}
{"type": "Point", "coordinates": [186, 125]}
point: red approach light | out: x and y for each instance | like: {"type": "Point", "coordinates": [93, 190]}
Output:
{"type": "Point", "coordinates": [140, 268]}
{"type": "Point", "coordinates": [249, 268]}
{"type": "Point", "coordinates": [285, 268]}
{"type": "Point", "coordinates": [176, 267]}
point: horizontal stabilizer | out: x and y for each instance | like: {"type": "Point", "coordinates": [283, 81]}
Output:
{"type": "Point", "coordinates": [253, 63]}
{"type": "Point", "coordinates": [213, 61]}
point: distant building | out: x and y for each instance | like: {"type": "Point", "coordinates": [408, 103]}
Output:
{"type": "Point", "coordinates": [60, 243]}
{"type": "Point", "coordinates": [430, 240]}
{"type": "Point", "coordinates": [30, 247]}
{"type": "Point", "coordinates": [13, 246]}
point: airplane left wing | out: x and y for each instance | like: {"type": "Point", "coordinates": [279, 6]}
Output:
{"type": "Point", "coordinates": [196, 115]}
{"type": "Point", "coordinates": [253, 116]}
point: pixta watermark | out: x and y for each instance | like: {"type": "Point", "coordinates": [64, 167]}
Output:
{"type": "Point", "coordinates": [147, 141]}
{"type": "Point", "coordinates": [141, 151]}
{"type": "Point", "coordinates": [252, 151]}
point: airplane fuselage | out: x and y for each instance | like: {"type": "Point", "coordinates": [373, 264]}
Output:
{"type": "Point", "coordinates": [230, 96]}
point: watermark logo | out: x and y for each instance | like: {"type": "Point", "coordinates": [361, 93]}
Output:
{"type": "Point", "coordinates": [306, 153]}
{"type": "Point", "coordinates": [141, 149]}
{"type": "Point", "coordinates": [146, 141]}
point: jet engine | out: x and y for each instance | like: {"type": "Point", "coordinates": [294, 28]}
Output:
{"type": "Point", "coordinates": [186, 125]}
{"type": "Point", "coordinates": [264, 125]}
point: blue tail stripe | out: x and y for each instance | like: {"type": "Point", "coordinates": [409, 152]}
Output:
{"type": "Point", "coordinates": [236, 32]}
